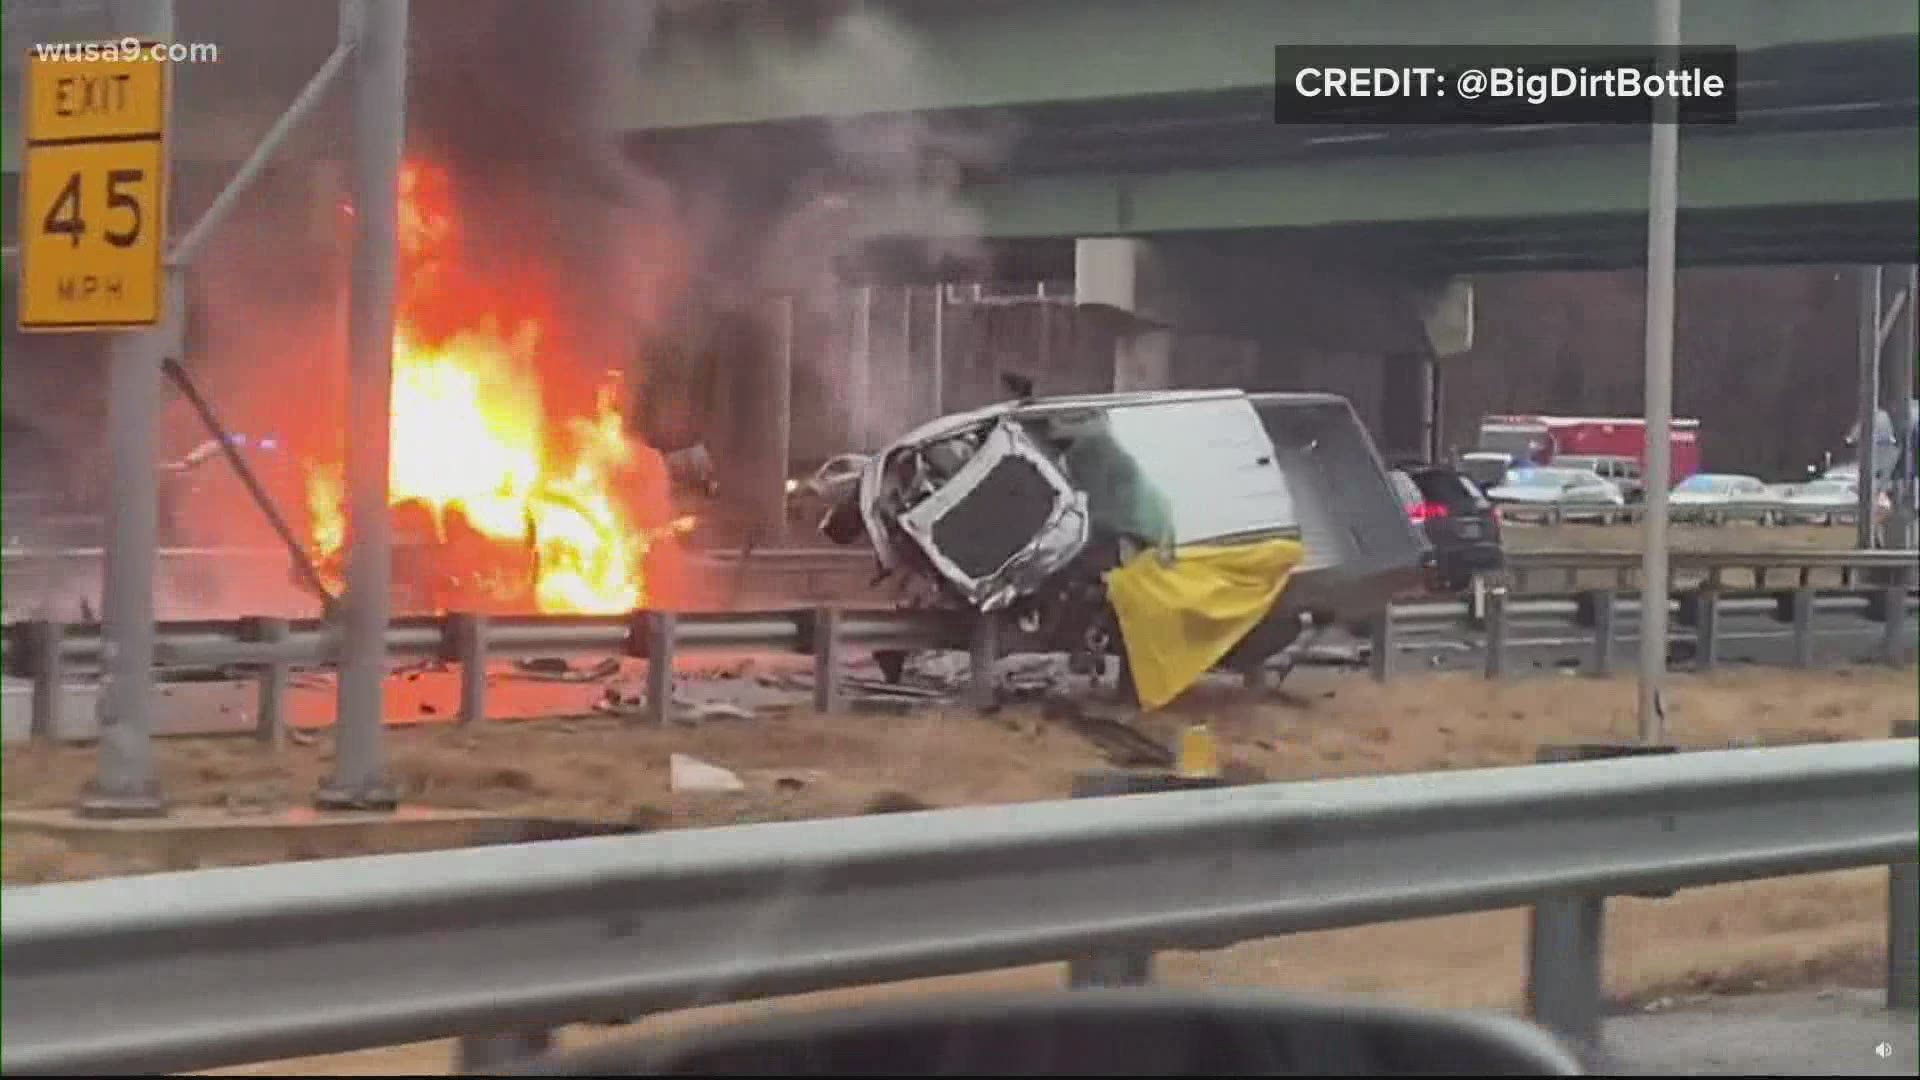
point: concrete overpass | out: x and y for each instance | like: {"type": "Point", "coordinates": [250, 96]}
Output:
{"type": "Point", "coordinates": [1137, 155]}
{"type": "Point", "coordinates": [1153, 118]}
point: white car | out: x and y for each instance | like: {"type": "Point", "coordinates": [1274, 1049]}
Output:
{"type": "Point", "coordinates": [1561, 495]}
{"type": "Point", "coordinates": [1716, 498]}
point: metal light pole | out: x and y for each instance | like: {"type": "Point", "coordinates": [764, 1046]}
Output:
{"type": "Point", "coordinates": [124, 784]}
{"type": "Point", "coordinates": [379, 30]}
{"type": "Point", "coordinates": [1901, 342]}
{"type": "Point", "coordinates": [1663, 196]}
{"type": "Point", "coordinates": [1867, 402]}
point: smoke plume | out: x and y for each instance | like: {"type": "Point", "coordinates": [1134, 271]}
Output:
{"type": "Point", "coordinates": [665, 247]}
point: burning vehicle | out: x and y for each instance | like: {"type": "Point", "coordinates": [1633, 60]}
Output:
{"type": "Point", "coordinates": [1183, 531]}
{"type": "Point", "coordinates": [514, 482]}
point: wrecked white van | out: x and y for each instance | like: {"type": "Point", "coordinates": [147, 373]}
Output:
{"type": "Point", "coordinates": [1046, 509]}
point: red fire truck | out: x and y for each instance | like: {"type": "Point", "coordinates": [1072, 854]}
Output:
{"type": "Point", "coordinates": [1539, 440]}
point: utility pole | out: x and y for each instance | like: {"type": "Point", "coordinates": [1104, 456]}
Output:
{"type": "Point", "coordinates": [379, 35]}
{"type": "Point", "coordinates": [1900, 410]}
{"type": "Point", "coordinates": [1867, 402]}
{"type": "Point", "coordinates": [1663, 197]}
{"type": "Point", "coordinates": [124, 784]}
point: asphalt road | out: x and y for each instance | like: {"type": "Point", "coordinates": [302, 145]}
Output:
{"type": "Point", "coordinates": [1823, 1033]}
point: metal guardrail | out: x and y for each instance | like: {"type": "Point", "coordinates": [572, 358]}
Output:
{"type": "Point", "coordinates": [47, 652]}
{"type": "Point", "coordinates": [1892, 567]}
{"type": "Point", "coordinates": [1753, 512]}
{"type": "Point", "coordinates": [174, 972]}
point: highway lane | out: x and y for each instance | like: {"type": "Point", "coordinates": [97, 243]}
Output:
{"type": "Point", "coordinates": [1810, 1033]}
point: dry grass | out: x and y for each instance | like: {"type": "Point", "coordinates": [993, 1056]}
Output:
{"type": "Point", "coordinates": [1818, 928]}
{"type": "Point", "coordinates": [803, 765]}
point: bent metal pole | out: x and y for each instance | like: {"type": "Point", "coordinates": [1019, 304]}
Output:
{"type": "Point", "coordinates": [124, 784]}
{"type": "Point", "coordinates": [1663, 196]}
{"type": "Point", "coordinates": [379, 102]}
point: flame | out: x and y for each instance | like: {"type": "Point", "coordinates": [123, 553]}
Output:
{"type": "Point", "coordinates": [523, 502]}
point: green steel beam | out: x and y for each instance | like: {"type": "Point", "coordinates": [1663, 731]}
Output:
{"type": "Point", "coordinates": [932, 55]}
{"type": "Point", "coordinates": [1727, 172]}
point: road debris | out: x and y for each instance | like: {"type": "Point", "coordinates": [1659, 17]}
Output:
{"type": "Point", "coordinates": [1123, 745]}
{"type": "Point", "coordinates": [556, 669]}
{"type": "Point", "coordinates": [686, 774]}
{"type": "Point", "coordinates": [698, 712]}
{"type": "Point", "coordinates": [895, 802]}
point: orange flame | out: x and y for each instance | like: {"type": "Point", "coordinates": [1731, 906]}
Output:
{"type": "Point", "coordinates": [525, 503]}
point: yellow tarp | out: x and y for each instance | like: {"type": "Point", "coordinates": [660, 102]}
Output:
{"type": "Point", "coordinates": [1178, 620]}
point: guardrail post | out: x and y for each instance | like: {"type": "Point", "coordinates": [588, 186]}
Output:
{"type": "Point", "coordinates": [1382, 647]}
{"type": "Point", "coordinates": [1496, 633]}
{"type": "Point", "coordinates": [1123, 968]}
{"type": "Point", "coordinates": [1565, 971]}
{"type": "Point", "coordinates": [983, 652]}
{"type": "Point", "coordinates": [1603, 608]}
{"type": "Point", "coordinates": [49, 667]}
{"type": "Point", "coordinates": [659, 627]}
{"type": "Point", "coordinates": [825, 645]}
{"type": "Point", "coordinates": [1893, 625]}
{"type": "Point", "coordinates": [270, 726]}
{"type": "Point", "coordinates": [1802, 608]}
{"type": "Point", "coordinates": [467, 636]}
{"type": "Point", "coordinates": [1565, 984]}
{"type": "Point", "coordinates": [1903, 919]}
{"type": "Point", "coordinates": [479, 1054]}
{"type": "Point", "coordinates": [1706, 626]}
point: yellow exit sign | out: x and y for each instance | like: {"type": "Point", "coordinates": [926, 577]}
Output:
{"type": "Point", "coordinates": [93, 204]}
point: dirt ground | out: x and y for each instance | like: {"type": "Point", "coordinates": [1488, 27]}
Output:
{"type": "Point", "coordinates": [1825, 928]}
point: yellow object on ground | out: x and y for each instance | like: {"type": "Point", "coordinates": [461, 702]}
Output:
{"type": "Point", "coordinates": [1178, 620]}
{"type": "Point", "coordinates": [1199, 755]}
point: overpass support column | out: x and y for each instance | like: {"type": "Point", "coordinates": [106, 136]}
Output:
{"type": "Point", "coordinates": [1407, 405]}
{"type": "Point", "coordinates": [1313, 310]}
{"type": "Point", "coordinates": [1119, 274]}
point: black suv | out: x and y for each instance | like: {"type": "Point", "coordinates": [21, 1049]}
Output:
{"type": "Point", "coordinates": [1460, 523]}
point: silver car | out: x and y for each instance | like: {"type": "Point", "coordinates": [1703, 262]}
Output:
{"type": "Point", "coordinates": [1623, 472]}
{"type": "Point", "coordinates": [1717, 498]}
{"type": "Point", "coordinates": [1556, 494]}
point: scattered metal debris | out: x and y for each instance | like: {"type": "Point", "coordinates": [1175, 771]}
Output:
{"type": "Point", "coordinates": [555, 669]}
{"type": "Point", "coordinates": [619, 700]}
{"type": "Point", "coordinates": [698, 712]}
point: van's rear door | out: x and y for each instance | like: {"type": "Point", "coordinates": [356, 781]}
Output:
{"type": "Point", "coordinates": [1213, 461]}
